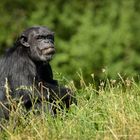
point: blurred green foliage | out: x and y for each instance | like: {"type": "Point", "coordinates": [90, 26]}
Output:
{"type": "Point", "coordinates": [90, 35]}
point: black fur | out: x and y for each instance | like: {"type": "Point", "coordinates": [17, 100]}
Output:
{"type": "Point", "coordinates": [27, 64]}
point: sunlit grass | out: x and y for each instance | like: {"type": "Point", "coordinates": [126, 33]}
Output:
{"type": "Point", "coordinates": [111, 112]}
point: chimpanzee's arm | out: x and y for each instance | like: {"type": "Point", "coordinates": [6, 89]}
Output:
{"type": "Point", "coordinates": [47, 74]}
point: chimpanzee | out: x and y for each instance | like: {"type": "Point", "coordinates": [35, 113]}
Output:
{"type": "Point", "coordinates": [25, 67]}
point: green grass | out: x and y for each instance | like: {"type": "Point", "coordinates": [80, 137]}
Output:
{"type": "Point", "coordinates": [111, 113]}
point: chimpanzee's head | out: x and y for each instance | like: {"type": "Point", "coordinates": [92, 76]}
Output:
{"type": "Point", "coordinates": [39, 41]}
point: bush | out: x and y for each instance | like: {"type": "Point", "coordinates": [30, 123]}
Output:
{"type": "Point", "coordinates": [90, 35]}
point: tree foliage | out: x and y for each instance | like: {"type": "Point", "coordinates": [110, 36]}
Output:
{"type": "Point", "coordinates": [90, 35]}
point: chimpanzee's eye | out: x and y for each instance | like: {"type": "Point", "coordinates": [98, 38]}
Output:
{"type": "Point", "coordinates": [39, 37]}
{"type": "Point", "coordinates": [44, 37]}
{"type": "Point", "coordinates": [50, 37]}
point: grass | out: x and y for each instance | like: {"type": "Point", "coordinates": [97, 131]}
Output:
{"type": "Point", "coordinates": [111, 113]}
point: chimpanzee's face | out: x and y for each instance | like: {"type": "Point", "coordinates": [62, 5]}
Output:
{"type": "Point", "coordinates": [40, 41]}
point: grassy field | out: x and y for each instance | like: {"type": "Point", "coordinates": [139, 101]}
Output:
{"type": "Point", "coordinates": [111, 113]}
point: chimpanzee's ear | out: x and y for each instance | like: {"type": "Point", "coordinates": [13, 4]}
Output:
{"type": "Point", "coordinates": [23, 41]}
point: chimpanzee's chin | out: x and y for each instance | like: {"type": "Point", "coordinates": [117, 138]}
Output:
{"type": "Point", "coordinates": [49, 58]}
{"type": "Point", "coordinates": [46, 58]}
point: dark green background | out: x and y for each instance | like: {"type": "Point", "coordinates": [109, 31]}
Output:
{"type": "Point", "coordinates": [90, 35]}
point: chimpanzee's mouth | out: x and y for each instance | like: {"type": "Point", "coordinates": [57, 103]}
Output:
{"type": "Point", "coordinates": [48, 51]}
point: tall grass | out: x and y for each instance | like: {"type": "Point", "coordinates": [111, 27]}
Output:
{"type": "Point", "coordinates": [111, 113]}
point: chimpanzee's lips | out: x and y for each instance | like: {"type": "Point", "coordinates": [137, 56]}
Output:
{"type": "Point", "coordinates": [48, 51]}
